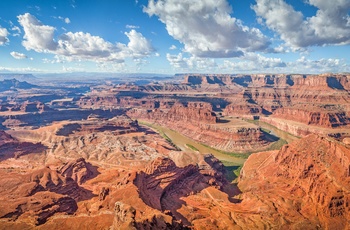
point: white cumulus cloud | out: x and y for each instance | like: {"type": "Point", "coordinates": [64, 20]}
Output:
{"type": "Point", "coordinates": [37, 36]}
{"type": "Point", "coordinates": [3, 36]}
{"type": "Point", "coordinates": [138, 44]}
{"type": "Point", "coordinates": [16, 28]}
{"type": "Point", "coordinates": [18, 55]}
{"type": "Point", "coordinates": [254, 63]}
{"type": "Point", "coordinates": [79, 45]}
{"type": "Point", "coordinates": [179, 62]}
{"type": "Point", "coordinates": [206, 28]}
{"type": "Point", "coordinates": [330, 25]}
{"type": "Point", "coordinates": [25, 70]}
{"type": "Point", "coordinates": [65, 20]}
{"type": "Point", "coordinates": [322, 65]}
{"type": "Point", "coordinates": [258, 64]}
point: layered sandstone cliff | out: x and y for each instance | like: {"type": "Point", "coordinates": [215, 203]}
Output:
{"type": "Point", "coordinates": [336, 81]}
{"type": "Point", "coordinates": [315, 116]}
{"type": "Point", "coordinates": [197, 121]}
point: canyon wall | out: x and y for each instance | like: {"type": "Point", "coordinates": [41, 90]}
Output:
{"type": "Point", "coordinates": [303, 185]}
{"type": "Point", "coordinates": [336, 81]}
{"type": "Point", "coordinates": [197, 121]}
{"type": "Point", "coordinates": [320, 117]}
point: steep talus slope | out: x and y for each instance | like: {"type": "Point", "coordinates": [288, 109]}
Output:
{"type": "Point", "coordinates": [163, 185]}
{"type": "Point", "coordinates": [163, 182]}
{"type": "Point", "coordinates": [304, 185]}
{"type": "Point", "coordinates": [40, 194]}
{"type": "Point", "coordinates": [10, 147]}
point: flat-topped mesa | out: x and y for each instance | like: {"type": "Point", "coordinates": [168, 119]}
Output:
{"type": "Point", "coordinates": [34, 107]}
{"type": "Point", "coordinates": [318, 117]}
{"type": "Point", "coordinates": [113, 102]}
{"type": "Point", "coordinates": [242, 109]}
{"type": "Point", "coordinates": [254, 80]}
{"type": "Point", "coordinates": [325, 81]}
{"type": "Point", "coordinates": [94, 123]}
{"type": "Point", "coordinates": [334, 81]}
{"type": "Point", "coordinates": [197, 121]}
{"type": "Point", "coordinates": [228, 138]}
{"type": "Point", "coordinates": [28, 107]}
{"type": "Point", "coordinates": [220, 79]}
{"type": "Point", "coordinates": [192, 112]}
{"type": "Point", "coordinates": [13, 84]}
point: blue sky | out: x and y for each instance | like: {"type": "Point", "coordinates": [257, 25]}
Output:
{"type": "Point", "coordinates": [174, 36]}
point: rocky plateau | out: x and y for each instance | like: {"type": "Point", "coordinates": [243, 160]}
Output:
{"type": "Point", "coordinates": [169, 155]}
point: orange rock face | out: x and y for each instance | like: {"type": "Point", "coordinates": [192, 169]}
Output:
{"type": "Point", "coordinates": [319, 117]}
{"type": "Point", "coordinates": [199, 122]}
{"type": "Point", "coordinates": [96, 168]}
{"type": "Point", "coordinates": [40, 194]}
{"type": "Point", "coordinates": [304, 185]}
{"type": "Point", "coordinates": [163, 182]}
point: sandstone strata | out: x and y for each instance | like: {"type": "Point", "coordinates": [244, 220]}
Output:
{"type": "Point", "coordinates": [304, 185]}
{"type": "Point", "coordinates": [197, 121]}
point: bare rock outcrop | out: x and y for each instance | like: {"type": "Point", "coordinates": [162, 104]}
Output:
{"type": "Point", "coordinates": [335, 81]}
{"type": "Point", "coordinates": [5, 138]}
{"type": "Point", "coordinates": [39, 195]}
{"type": "Point", "coordinates": [162, 184]}
{"type": "Point", "coordinates": [10, 147]}
{"type": "Point", "coordinates": [124, 217]}
{"type": "Point", "coordinates": [313, 116]}
{"type": "Point", "coordinates": [199, 122]}
{"type": "Point", "coordinates": [242, 109]}
{"type": "Point", "coordinates": [79, 170]}
{"type": "Point", "coordinates": [34, 107]}
{"type": "Point", "coordinates": [304, 185]}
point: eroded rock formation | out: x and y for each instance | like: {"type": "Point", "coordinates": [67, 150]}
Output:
{"type": "Point", "coordinates": [199, 122]}
{"type": "Point", "coordinates": [304, 185]}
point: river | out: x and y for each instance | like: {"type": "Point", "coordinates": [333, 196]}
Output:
{"type": "Point", "coordinates": [182, 141]}
{"type": "Point", "coordinates": [277, 132]}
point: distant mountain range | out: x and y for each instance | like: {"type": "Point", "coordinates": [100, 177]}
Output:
{"type": "Point", "coordinates": [9, 84]}
{"type": "Point", "coordinates": [19, 77]}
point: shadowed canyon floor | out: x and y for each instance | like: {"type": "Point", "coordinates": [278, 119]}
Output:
{"type": "Point", "coordinates": [162, 155]}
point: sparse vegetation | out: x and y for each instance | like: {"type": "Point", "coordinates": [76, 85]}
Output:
{"type": "Point", "coordinates": [232, 170]}
{"type": "Point", "coordinates": [259, 123]}
{"type": "Point", "coordinates": [237, 171]}
{"type": "Point", "coordinates": [192, 147]}
{"type": "Point", "coordinates": [265, 130]}
{"type": "Point", "coordinates": [277, 145]}
{"type": "Point", "coordinates": [161, 133]}
{"type": "Point", "coordinates": [244, 155]}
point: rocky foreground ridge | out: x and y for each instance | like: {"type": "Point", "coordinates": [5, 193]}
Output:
{"type": "Point", "coordinates": [305, 185]}
{"type": "Point", "coordinates": [90, 166]}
